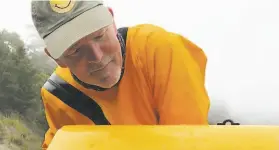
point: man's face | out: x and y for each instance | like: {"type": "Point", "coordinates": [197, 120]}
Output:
{"type": "Point", "coordinates": [96, 59]}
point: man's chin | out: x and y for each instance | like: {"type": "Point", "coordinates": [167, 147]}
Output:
{"type": "Point", "coordinates": [107, 83]}
{"type": "Point", "coordinates": [107, 86]}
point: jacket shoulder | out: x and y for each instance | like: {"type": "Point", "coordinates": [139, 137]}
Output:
{"type": "Point", "coordinates": [144, 31]}
{"type": "Point", "coordinates": [148, 36]}
{"type": "Point", "coordinates": [63, 73]}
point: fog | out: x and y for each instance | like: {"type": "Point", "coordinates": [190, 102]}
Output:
{"type": "Point", "coordinates": [240, 38]}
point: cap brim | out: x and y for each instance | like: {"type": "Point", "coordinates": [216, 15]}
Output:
{"type": "Point", "coordinates": [69, 33]}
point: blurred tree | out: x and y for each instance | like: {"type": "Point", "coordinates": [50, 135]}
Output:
{"type": "Point", "coordinates": [20, 79]}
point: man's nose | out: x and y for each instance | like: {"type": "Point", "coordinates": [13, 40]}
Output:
{"type": "Point", "coordinates": [95, 53]}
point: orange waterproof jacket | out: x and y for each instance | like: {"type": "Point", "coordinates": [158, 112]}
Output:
{"type": "Point", "coordinates": [163, 83]}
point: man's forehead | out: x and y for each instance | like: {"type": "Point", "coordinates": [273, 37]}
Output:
{"type": "Point", "coordinates": [93, 34]}
{"type": "Point", "coordinates": [99, 31]}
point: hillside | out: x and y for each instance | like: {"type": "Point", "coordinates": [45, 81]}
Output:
{"type": "Point", "coordinates": [16, 134]}
{"type": "Point", "coordinates": [23, 71]}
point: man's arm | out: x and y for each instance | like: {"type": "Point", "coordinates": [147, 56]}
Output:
{"type": "Point", "coordinates": [178, 78]}
{"type": "Point", "coordinates": [48, 137]}
{"type": "Point", "coordinates": [57, 115]}
{"type": "Point", "coordinates": [51, 117]}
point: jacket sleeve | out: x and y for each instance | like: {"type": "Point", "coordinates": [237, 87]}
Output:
{"type": "Point", "coordinates": [50, 113]}
{"type": "Point", "coordinates": [55, 116]}
{"type": "Point", "coordinates": [178, 79]}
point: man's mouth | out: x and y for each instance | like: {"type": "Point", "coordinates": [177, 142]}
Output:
{"type": "Point", "coordinates": [101, 68]}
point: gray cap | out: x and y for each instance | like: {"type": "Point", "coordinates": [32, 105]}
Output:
{"type": "Point", "coordinates": [61, 23]}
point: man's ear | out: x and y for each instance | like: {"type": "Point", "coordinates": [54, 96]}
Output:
{"type": "Point", "coordinates": [60, 63]}
{"type": "Point", "coordinates": [114, 26]}
{"type": "Point", "coordinates": [111, 11]}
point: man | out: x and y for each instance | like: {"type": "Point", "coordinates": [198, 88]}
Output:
{"type": "Point", "coordinates": [137, 75]}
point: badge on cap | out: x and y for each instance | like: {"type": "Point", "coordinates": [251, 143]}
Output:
{"type": "Point", "coordinates": [61, 6]}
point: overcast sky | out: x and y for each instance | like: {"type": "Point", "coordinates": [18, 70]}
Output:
{"type": "Point", "coordinates": [240, 38]}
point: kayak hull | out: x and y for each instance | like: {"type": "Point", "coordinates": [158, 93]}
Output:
{"type": "Point", "coordinates": [166, 138]}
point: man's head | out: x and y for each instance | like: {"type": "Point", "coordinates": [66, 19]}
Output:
{"type": "Point", "coordinates": [82, 36]}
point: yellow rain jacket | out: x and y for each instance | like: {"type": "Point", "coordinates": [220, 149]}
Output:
{"type": "Point", "coordinates": [163, 84]}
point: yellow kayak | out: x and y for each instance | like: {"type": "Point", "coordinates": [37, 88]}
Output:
{"type": "Point", "coordinates": [214, 137]}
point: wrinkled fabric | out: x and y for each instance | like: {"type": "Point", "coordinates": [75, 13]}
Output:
{"type": "Point", "coordinates": [163, 83]}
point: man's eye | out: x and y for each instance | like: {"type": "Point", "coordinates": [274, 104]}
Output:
{"type": "Point", "coordinates": [74, 52]}
{"type": "Point", "coordinates": [99, 37]}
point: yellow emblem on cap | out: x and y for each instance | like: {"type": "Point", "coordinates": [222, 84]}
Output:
{"type": "Point", "coordinates": [61, 6]}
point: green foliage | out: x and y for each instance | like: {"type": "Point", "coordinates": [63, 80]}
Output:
{"type": "Point", "coordinates": [22, 75]}
{"type": "Point", "coordinates": [16, 135]}
{"type": "Point", "coordinates": [41, 61]}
